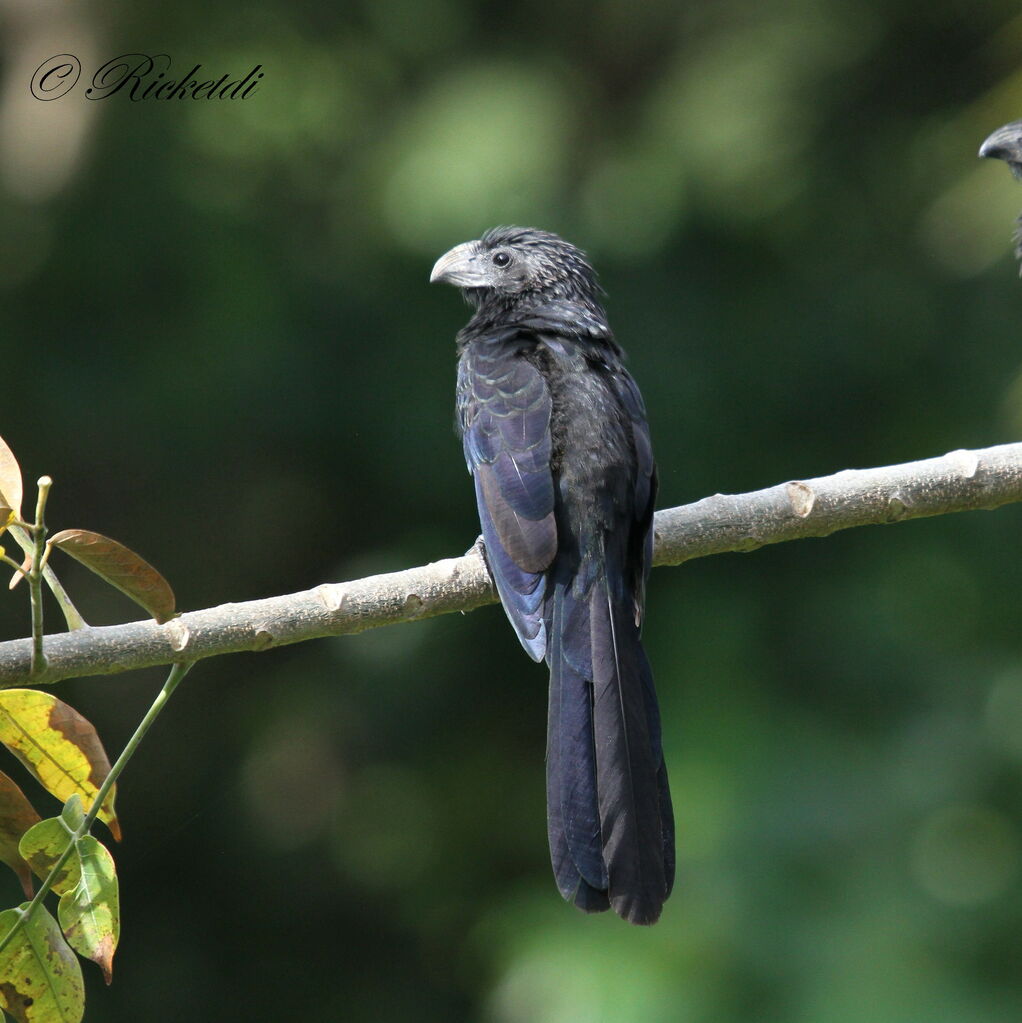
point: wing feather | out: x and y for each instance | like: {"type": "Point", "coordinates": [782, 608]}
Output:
{"type": "Point", "coordinates": [504, 413]}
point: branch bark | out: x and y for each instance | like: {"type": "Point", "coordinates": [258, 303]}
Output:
{"type": "Point", "coordinates": [959, 481]}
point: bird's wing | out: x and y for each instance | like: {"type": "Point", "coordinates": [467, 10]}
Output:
{"type": "Point", "coordinates": [504, 410]}
{"type": "Point", "coordinates": [645, 483]}
{"type": "Point", "coordinates": [641, 557]}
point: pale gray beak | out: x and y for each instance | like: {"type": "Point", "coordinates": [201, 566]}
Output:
{"type": "Point", "coordinates": [461, 266]}
{"type": "Point", "coordinates": [1005, 144]}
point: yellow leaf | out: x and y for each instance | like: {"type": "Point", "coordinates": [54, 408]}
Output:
{"type": "Point", "coordinates": [121, 567]}
{"type": "Point", "coordinates": [58, 745]}
{"type": "Point", "coordinates": [10, 480]}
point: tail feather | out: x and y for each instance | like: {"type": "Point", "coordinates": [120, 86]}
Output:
{"type": "Point", "coordinates": [663, 789]}
{"type": "Point", "coordinates": [626, 764]}
{"type": "Point", "coordinates": [611, 826]}
{"type": "Point", "coordinates": [572, 806]}
{"type": "Point", "coordinates": [666, 827]}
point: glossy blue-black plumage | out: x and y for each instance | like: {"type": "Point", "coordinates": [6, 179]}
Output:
{"type": "Point", "coordinates": [555, 436]}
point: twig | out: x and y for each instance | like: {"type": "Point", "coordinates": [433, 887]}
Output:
{"type": "Point", "coordinates": [959, 481]}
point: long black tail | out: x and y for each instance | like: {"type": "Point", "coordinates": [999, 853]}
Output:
{"type": "Point", "coordinates": [609, 816]}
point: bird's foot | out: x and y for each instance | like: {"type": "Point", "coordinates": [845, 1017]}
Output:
{"type": "Point", "coordinates": [479, 547]}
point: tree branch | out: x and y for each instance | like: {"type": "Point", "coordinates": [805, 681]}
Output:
{"type": "Point", "coordinates": [959, 481]}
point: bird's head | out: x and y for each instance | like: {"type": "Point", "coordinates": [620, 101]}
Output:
{"type": "Point", "coordinates": [1006, 144]}
{"type": "Point", "coordinates": [511, 266]}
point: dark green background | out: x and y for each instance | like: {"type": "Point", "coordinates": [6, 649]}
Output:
{"type": "Point", "coordinates": [220, 341]}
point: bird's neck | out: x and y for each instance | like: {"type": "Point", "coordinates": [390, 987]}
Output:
{"type": "Point", "coordinates": [578, 316]}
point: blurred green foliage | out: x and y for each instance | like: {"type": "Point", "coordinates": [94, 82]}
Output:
{"type": "Point", "coordinates": [221, 344]}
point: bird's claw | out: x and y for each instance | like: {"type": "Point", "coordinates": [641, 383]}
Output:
{"type": "Point", "coordinates": [479, 547]}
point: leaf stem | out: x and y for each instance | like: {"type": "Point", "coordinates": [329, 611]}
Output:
{"type": "Point", "coordinates": [71, 616]}
{"type": "Point", "coordinates": [11, 563]}
{"type": "Point", "coordinates": [177, 672]}
{"type": "Point", "coordinates": [35, 576]}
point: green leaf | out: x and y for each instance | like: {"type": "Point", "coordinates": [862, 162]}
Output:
{"type": "Point", "coordinates": [17, 815]}
{"type": "Point", "coordinates": [89, 910]}
{"type": "Point", "coordinates": [121, 568]}
{"type": "Point", "coordinates": [40, 978]}
{"type": "Point", "coordinates": [89, 913]}
{"type": "Point", "coordinates": [43, 845]}
{"type": "Point", "coordinates": [58, 746]}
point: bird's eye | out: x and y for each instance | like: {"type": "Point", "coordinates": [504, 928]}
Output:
{"type": "Point", "coordinates": [501, 259]}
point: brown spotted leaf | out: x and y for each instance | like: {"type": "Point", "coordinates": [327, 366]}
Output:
{"type": "Point", "coordinates": [17, 815]}
{"type": "Point", "coordinates": [44, 844]}
{"type": "Point", "coordinates": [40, 978]}
{"type": "Point", "coordinates": [10, 481]}
{"type": "Point", "coordinates": [89, 913]}
{"type": "Point", "coordinates": [120, 567]}
{"type": "Point", "coordinates": [58, 745]}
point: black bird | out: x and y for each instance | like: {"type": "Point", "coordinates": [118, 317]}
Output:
{"type": "Point", "coordinates": [1006, 144]}
{"type": "Point", "coordinates": [555, 435]}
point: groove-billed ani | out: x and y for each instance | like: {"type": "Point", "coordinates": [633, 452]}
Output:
{"type": "Point", "coordinates": [1006, 144]}
{"type": "Point", "coordinates": [555, 436]}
